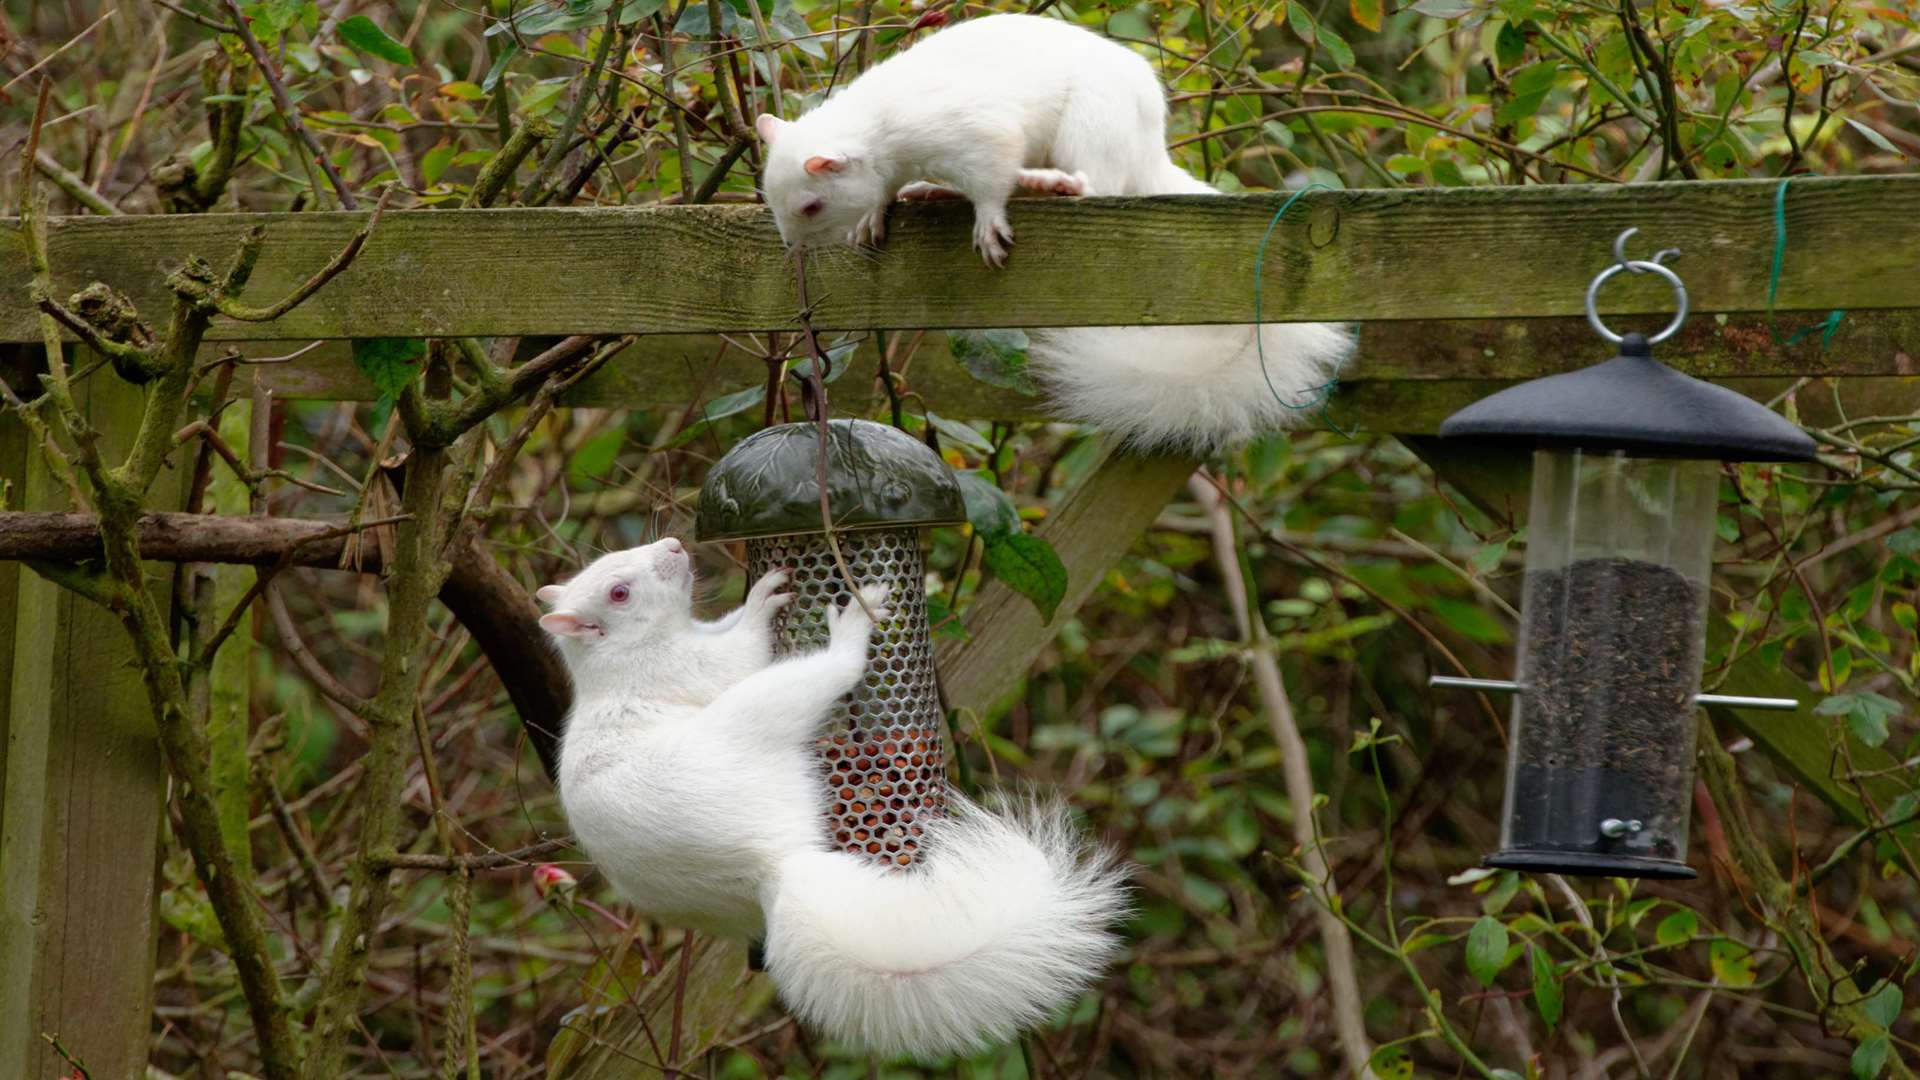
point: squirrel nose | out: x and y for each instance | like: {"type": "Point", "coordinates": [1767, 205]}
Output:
{"type": "Point", "coordinates": [672, 544]}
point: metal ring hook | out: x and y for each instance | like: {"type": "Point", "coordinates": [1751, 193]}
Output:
{"type": "Point", "coordinates": [1637, 267]}
{"type": "Point", "coordinates": [1620, 252]}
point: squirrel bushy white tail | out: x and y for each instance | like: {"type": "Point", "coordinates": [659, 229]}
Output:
{"type": "Point", "coordinates": [1000, 104]}
{"type": "Point", "coordinates": [1005, 923]}
{"type": "Point", "coordinates": [688, 773]}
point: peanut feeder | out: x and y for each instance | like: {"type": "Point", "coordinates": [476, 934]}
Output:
{"type": "Point", "coordinates": [883, 757]}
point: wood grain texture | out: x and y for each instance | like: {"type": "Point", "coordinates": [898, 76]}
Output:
{"type": "Point", "coordinates": [1427, 253]}
{"type": "Point", "coordinates": [1405, 378]}
{"type": "Point", "coordinates": [1103, 516]}
{"type": "Point", "coordinates": [79, 828]}
{"type": "Point", "coordinates": [1795, 741]}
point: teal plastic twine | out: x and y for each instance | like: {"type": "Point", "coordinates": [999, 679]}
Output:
{"type": "Point", "coordinates": [1828, 326]}
{"type": "Point", "coordinates": [1322, 394]}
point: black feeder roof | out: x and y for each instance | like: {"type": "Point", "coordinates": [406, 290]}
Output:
{"type": "Point", "coordinates": [877, 477]}
{"type": "Point", "coordinates": [1637, 404]}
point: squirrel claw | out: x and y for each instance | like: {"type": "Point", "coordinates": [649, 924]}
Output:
{"type": "Point", "coordinates": [871, 229]}
{"type": "Point", "coordinates": [991, 235]}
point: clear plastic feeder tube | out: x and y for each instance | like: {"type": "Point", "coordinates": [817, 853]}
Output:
{"type": "Point", "coordinates": [1613, 627]}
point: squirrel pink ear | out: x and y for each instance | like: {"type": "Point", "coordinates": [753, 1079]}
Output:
{"type": "Point", "coordinates": [548, 594]}
{"type": "Point", "coordinates": [769, 126]}
{"type": "Point", "coordinates": [822, 163]}
{"type": "Point", "coordinates": [564, 624]}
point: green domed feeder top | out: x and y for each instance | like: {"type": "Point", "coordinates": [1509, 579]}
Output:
{"type": "Point", "coordinates": [877, 477]}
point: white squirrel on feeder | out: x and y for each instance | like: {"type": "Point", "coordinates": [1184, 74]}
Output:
{"type": "Point", "coordinates": [1010, 102]}
{"type": "Point", "coordinates": [688, 773]}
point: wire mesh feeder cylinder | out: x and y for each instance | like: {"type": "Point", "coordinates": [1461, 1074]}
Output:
{"type": "Point", "coordinates": [883, 758]}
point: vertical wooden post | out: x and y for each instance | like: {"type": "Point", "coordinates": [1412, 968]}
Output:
{"type": "Point", "coordinates": [81, 802]}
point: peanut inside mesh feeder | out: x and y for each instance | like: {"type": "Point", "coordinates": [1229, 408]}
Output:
{"type": "Point", "coordinates": [883, 757]}
{"type": "Point", "coordinates": [1613, 609]}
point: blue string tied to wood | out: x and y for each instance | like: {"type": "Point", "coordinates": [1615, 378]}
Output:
{"type": "Point", "coordinates": [1322, 395]}
{"type": "Point", "coordinates": [1828, 326]}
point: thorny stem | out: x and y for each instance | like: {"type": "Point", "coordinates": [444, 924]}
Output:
{"type": "Point", "coordinates": [288, 111]}
{"type": "Point", "coordinates": [1841, 1002]}
{"type": "Point", "coordinates": [415, 578]}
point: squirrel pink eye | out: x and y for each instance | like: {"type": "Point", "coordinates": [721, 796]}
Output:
{"type": "Point", "coordinates": [619, 593]}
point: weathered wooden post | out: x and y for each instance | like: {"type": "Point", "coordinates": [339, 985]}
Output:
{"type": "Point", "coordinates": [81, 802]}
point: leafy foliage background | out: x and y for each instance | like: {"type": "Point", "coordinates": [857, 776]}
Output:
{"type": "Point", "coordinates": [1142, 708]}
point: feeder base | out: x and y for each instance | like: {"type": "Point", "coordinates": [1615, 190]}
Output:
{"type": "Point", "coordinates": [1589, 864]}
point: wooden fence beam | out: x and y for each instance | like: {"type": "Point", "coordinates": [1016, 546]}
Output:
{"type": "Point", "coordinates": [1419, 253]}
{"type": "Point", "coordinates": [1405, 377]}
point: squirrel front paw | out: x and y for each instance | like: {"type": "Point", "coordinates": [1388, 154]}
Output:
{"type": "Point", "coordinates": [871, 228]}
{"type": "Point", "coordinates": [849, 626]}
{"type": "Point", "coordinates": [992, 233]}
{"type": "Point", "coordinates": [765, 598]}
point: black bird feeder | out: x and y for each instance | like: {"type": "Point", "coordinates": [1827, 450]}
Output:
{"type": "Point", "coordinates": [1626, 483]}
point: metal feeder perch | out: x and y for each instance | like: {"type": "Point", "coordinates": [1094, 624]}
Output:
{"type": "Point", "coordinates": [1613, 610]}
{"type": "Point", "coordinates": [883, 755]}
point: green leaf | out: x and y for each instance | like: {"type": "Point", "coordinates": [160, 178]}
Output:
{"type": "Point", "coordinates": [1405, 164]}
{"type": "Point", "coordinates": [1240, 828]}
{"type": "Point", "coordinates": [697, 21]}
{"type": "Point", "coordinates": [965, 434]}
{"type": "Point", "coordinates": [1732, 963]}
{"type": "Point", "coordinates": [1867, 713]}
{"type": "Point", "coordinates": [1870, 1057]}
{"type": "Point", "coordinates": [1391, 1063]}
{"type": "Point", "coordinates": [995, 357]}
{"type": "Point", "coordinates": [1548, 997]}
{"type": "Point", "coordinates": [1530, 87]}
{"type": "Point", "coordinates": [1487, 949]}
{"type": "Point", "coordinates": [268, 19]}
{"type": "Point", "coordinates": [1873, 136]}
{"type": "Point", "coordinates": [389, 363]}
{"type": "Point", "coordinates": [1468, 620]}
{"type": "Point", "coordinates": [564, 15]}
{"type": "Point", "coordinates": [595, 456]}
{"type": "Point", "coordinates": [1905, 542]}
{"type": "Point", "coordinates": [1676, 929]}
{"type": "Point", "coordinates": [1502, 894]}
{"type": "Point", "coordinates": [365, 35]}
{"type": "Point", "coordinates": [1301, 21]}
{"type": "Point", "coordinates": [1509, 45]}
{"type": "Point", "coordinates": [1336, 47]}
{"type": "Point", "coordinates": [1487, 559]}
{"type": "Point", "coordinates": [989, 509]}
{"type": "Point", "coordinates": [433, 164]}
{"type": "Point", "coordinates": [500, 63]}
{"type": "Point", "coordinates": [1444, 9]}
{"type": "Point", "coordinates": [1367, 14]}
{"type": "Point", "coordinates": [1031, 568]}
{"type": "Point", "coordinates": [1883, 1007]}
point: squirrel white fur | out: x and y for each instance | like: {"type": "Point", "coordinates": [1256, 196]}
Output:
{"type": "Point", "coordinates": [688, 772]}
{"type": "Point", "coordinates": [993, 105]}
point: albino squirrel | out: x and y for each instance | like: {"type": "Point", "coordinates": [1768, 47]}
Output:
{"type": "Point", "coordinates": [688, 772]}
{"type": "Point", "coordinates": [1006, 102]}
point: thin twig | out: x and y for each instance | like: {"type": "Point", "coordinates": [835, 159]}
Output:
{"type": "Point", "coordinates": [289, 113]}
{"type": "Point", "coordinates": [233, 309]}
